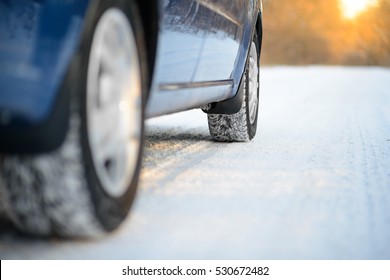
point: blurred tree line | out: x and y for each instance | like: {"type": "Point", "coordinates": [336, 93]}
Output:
{"type": "Point", "coordinates": [316, 32]}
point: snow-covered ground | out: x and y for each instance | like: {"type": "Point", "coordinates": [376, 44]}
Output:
{"type": "Point", "coordinates": [314, 184]}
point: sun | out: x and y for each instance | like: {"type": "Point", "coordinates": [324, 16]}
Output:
{"type": "Point", "coordinates": [352, 8]}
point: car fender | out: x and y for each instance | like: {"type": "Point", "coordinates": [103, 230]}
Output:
{"type": "Point", "coordinates": [37, 42]}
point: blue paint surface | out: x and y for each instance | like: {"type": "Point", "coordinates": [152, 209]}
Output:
{"type": "Point", "coordinates": [37, 41]}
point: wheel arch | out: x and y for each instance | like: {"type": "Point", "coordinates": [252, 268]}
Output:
{"type": "Point", "coordinates": [150, 14]}
{"type": "Point", "coordinates": [259, 29]}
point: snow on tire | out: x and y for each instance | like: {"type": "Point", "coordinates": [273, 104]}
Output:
{"type": "Point", "coordinates": [86, 187]}
{"type": "Point", "coordinates": [47, 194]}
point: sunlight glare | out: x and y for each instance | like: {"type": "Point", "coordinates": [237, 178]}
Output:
{"type": "Point", "coordinates": [351, 8]}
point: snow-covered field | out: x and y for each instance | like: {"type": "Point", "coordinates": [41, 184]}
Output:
{"type": "Point", "coordinates": [314, 184]}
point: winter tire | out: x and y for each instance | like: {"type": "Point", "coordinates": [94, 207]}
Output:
{"type": "Point", "coordinates": [86, 187]}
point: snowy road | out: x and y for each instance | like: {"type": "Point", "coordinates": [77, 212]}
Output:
{"type": "Point", "coordinates": [314, 184]}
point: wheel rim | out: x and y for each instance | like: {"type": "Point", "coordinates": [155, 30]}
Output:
{"type": "Point", "coordinates": [253, 83]}
{"type": "Point", "coordinates": [114, 105]}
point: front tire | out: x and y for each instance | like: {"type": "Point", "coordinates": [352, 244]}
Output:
{"type": "Point", "coordinates": [86, 187]}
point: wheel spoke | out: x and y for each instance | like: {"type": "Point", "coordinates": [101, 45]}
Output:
{"type": "Point", "coordinates": [114, 112]}
{"type": "Point", "coordinates": [253, 84]}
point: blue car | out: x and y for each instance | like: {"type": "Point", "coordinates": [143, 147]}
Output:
{"type": "Point", "coordinates": [79, 77]}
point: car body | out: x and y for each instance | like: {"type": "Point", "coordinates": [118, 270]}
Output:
{"type": "Point", "coordinates": [192, 53]}
{"type": "Point", "coordinates": [39, 38]}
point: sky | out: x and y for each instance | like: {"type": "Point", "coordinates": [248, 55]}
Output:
{"type": "Point", "coordinates": [352, 8]}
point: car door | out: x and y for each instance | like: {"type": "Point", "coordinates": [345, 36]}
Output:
{"type": "Point", "coordinates": [179, 42]}
{"type": "Point", "coordinates": [202, 48]}
{"type": "Point", "coordinates": [178, 50]}
{"type": "Point", "coordinates": [226, 41]}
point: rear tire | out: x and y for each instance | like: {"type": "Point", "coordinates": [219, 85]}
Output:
{"type": "Point", "coordinates": [241, 126]}
{"type": "Point", "coordinates": [86, 187]}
